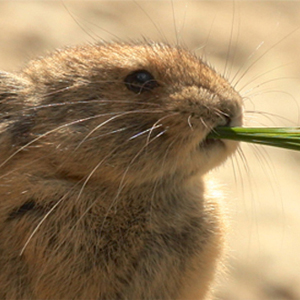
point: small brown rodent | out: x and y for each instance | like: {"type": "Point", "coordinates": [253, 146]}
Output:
{"type": "Point", "coordinates": [103, 155]}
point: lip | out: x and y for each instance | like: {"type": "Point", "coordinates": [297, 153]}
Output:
{"type": "Point", "coordinates": [209, 143]}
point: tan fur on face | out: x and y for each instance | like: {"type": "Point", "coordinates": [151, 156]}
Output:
{"type": "Point", "coordinates": [102, 191]}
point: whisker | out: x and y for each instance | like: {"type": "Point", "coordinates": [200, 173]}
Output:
{"type": "Point", "coordinates": [238, 175]}
{"type": "Point", "coordinates": [226, 72]}
{"type": "Point", "coordinates": [82, 188]}
{"type": "Point", "coordinates": [49, 132]}
{"type": "Point", "coordinates": [247, 171]}
{"type": "Point", "coordinates": [80, 193]}
{"type": "Point", "coordinates": [40, 223]}
{"type": "Point", "coordinates": [264, 53]}
{"type": "Point", "coordinates": [292, 98]}
{"type": "Point", "coordinates": [143, 132]}
{"type": "Point", "coordinates": [205, 125]}
{"type": "Point", "coordinates": [111, 119]}
{"type": "Point", "coordinates": [89, 177]}
{"type": "Point", "coordinates": [111, 132]}
{"type": "Point", "coordinates": [98, 101]}
{"type": "Point", "coordinates": [189, 122]}
{"type": "Point", "coordinates": [263, 74]}
{"type": "Point", "coordinates": [267, 82]}
{"type": "Point", "coordinates": [122, 184]}
{"type": "Point", "coordinates": [174, 23]}
{"type": "Point", "coordinates": [206, 41]}
{"type": "Point", "coordinates": [245, 62]}
{"type": "Point", "coordinates": [157, 181]}
{"type": "Point", "coordinates": [154, 125]}
{"type": "Point", "coordinates": [64, 126]}
{"type": "Point", "coordinates": [88, 32]}
{"type": "Point", "coordinates": [158, 29]}
{"type": "Point", "coordinates": [269, 115]}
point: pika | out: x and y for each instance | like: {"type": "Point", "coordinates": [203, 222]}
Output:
{"type": "Point", "coordinates": [103, 161]}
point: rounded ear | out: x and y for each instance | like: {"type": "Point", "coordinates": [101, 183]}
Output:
{"type": "Point", "coordinates": [11, 87]}
{"type": "Point", "coordinates": [14, 126]}
{"type": "Point", "coordinates": [10, 84]}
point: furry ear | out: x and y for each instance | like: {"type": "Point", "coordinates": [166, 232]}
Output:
{"type": "Point", "coordinates": [14, 123]}
{"type": "Point", "coordinates": [11, 87]}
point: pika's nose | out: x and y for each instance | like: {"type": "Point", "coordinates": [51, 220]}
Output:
{"type": "Point", "coordinates": [233, 120]}
{"type": "Point", "coordinates": [224, 120]}
{"type": "Point", "coordinates": [227, 120]}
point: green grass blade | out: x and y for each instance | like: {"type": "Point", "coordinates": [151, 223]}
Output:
{"type": "Point", "coordinates": [286, 137]}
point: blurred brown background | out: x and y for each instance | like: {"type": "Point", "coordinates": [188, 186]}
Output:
{"type": "Point", "coordinates": [256, 45]}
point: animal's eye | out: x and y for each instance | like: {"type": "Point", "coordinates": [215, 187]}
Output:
{"type": "Point", "coordinates": [140, 81]}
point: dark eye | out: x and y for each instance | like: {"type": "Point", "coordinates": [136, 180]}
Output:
{"type": "Point", "coordinates": [140, 81]}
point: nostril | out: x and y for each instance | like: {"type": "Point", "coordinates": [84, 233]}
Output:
{"type": "Point", "coordinates": [226, 121]}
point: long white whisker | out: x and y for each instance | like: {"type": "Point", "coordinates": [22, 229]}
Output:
{"type": "Point", "coordinates": [158, 29]}
{"type": "Point", "coordinates": [263, 74]}
{"type": "Point", "coordinates": [121, 185]}
{"type": "Point", "coordinates": [82, 189]}
{"type": "Point", "coordinates": [143, 132]}
{"type": "Point", "coordinates": [40, 223]}
{"type": "Point", "coordinates": [264, 53]}
{"type": "Point", "coordinates": [268, 116]}
{"type": "Point", "coordinates": [246, 60]}
{"type": "Point", "coordinates": [267, 82]}
{"type": "Point", "coordinates": [51, 131]}
{"type": "Point", "coordinates": [157, 181]}
{"type": "Point", "coordinates": [111, 132]}
{"type": "Point", "coordinates": [190, 123]}
{"type": "Point", "coordinates": [87, 180]}
{"type": "Point", "coordinates": [155, 124]}
{"type": "Point", "coordinates": [111, 119]}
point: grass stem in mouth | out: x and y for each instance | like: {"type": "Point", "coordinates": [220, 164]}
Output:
{"type": "Point", "coordinates": [283, 137]}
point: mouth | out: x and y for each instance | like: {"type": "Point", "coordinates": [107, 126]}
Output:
{"type": "Point", "coordinates": [218, 145]}
{"type": "Point", "coordinates": [209, 143]}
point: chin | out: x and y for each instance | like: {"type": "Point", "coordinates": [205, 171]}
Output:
{"type": "Point", "coordinates": [214, 152]}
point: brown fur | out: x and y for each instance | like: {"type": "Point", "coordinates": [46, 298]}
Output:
{"type": "Point", "coordinates": [102, 189]}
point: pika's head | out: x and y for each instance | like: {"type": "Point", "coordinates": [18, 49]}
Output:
{"type": "Point", "coordinates": [140, 111]}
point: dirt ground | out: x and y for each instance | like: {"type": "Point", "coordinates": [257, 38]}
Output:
{"type": "Point", "coordinates": [256, 45]}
